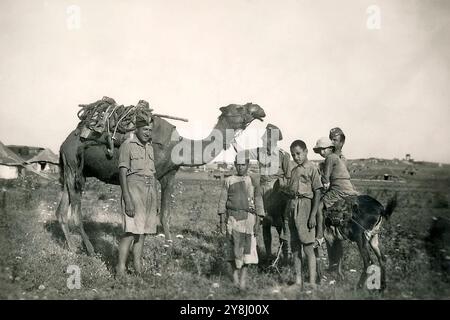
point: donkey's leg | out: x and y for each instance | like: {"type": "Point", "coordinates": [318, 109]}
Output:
{"type": "Point", "coordinates": [329, 241]}
{"type": "Point", "coordinates": [375, 245]}
{"type": "Point", "coordinates": [364, 252]}
{"type": "Point", "coordinates": [62, 214]}
{"type": "Point", "coordinates": [167, 187]}
{"type": "Point", "coordinates": [267, 237]}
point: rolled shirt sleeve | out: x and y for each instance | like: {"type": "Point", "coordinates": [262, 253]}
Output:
{"type": "Point", "coordinates": [124, 155]}
{"type": "Point", "coordinates": [315, 179]}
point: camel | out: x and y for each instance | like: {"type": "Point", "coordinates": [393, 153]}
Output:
{"type": "Point", "coordinates": [80, 159]}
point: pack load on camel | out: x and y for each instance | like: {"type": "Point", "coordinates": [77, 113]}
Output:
{"type": "Point", "coordinates": [106, 122]}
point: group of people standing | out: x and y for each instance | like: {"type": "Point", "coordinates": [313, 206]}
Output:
{"type": "Point", "coordinates": [245, 202]}
{"type": "Point", "coordinates": [308, 190]}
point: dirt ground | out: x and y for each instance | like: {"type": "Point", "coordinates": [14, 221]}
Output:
{"type": "Point", "coordinates": [36, 263]}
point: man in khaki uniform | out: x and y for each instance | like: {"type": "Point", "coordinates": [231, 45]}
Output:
{"type": "Point", "coordinates": [137, 180]}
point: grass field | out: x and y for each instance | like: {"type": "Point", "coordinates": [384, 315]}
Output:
{"type": "Point", "coordinates": [35, 258]}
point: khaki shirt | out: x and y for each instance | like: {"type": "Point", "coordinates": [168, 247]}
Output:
{"type": "Point", "coordinates": [334, 168]}
{"type": "Point", "coordinates": [305, 178]}
{"type": "Point", "coordinates": [137, 158]}
{"type": "Point", "coordinates": [274, 165]}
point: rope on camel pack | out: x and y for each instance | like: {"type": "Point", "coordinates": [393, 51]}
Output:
{"type": "Point", "coordinates": [104, 120]}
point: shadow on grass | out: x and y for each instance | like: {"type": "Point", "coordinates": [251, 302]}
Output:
{"type": "Point", "coordinates": [106, 249]}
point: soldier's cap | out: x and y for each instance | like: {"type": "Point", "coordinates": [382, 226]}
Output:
{"type": "Point", "coordinates": [322, 143]}
{"type": "Point", "coordinates": [142, 121]}
{"type": "Point", "coordinates": [336, 131]}
{"type": "Point", "coordinates": [274, 127]}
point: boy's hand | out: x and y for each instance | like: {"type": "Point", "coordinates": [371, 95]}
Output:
{"type": "Point", "coordinates": [257, 226]}
{"type": "Point", "coordinates": [311, 222]}
{"type": "Point", "coordinates": [129, 209]}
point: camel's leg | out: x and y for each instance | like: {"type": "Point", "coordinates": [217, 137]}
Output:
{"type": "Point", "coordinates": [375, 245]}
{"type": "Point", "coordinates": [339, 253]}
{"type": "Point", "coordinates": [364, 252]}
{"type": "Point", "coordinates": [78, 218]}
{"type": "Point", "coordinates": [62, 213]}
{"type": "Point", "coordinates": [167, 187]}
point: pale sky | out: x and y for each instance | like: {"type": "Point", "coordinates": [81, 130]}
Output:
{"type": "Point", "coordinates": [312, 65]}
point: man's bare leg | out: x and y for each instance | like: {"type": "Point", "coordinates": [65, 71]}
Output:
{"type": "Point", "coordinates": [124, 250]}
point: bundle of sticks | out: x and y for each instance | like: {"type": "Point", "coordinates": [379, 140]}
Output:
{"type": "Point", "coordinates": [106, 115]}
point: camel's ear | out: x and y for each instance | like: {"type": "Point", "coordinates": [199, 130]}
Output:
{"type": "Point", "coordinates": [223, 109]}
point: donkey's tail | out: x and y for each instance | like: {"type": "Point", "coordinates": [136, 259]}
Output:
{"type": "Point", "coordinates": [390, 207]}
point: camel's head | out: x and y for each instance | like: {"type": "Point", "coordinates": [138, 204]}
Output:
{"type": "Point", "coordinates": [238, 117]}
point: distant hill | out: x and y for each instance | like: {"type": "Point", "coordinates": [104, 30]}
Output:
{"type": "Point", "coordinates": [374, 168]}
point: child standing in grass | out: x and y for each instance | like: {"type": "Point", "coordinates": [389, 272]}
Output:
{"type": "Point", "coordinates": [300, 217]}
{"type": "Point", "coordinates": [241, 203]}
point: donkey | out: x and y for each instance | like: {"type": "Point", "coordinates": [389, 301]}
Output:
{"type": "Point", "coordinates": [358, 219]}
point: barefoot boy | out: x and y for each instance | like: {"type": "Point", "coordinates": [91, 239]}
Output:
{"type": "Point", "coordinates": [300, 218]}
{"type": "Point", "coordinates": [241, 202]}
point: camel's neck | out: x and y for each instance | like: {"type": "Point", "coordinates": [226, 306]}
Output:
{"type": "Point", "coordinates": [199, 152]}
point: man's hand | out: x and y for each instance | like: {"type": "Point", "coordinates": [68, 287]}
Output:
{"type": "Point", "coordinates": [129, 208]}
{"type": "Point", "coordinates": [311, 222]}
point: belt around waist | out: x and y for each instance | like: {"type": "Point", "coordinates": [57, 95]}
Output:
{"type": "Point", "coordinates": [303, 196]}
{"type": "Point", "coordinates": [140, 177]}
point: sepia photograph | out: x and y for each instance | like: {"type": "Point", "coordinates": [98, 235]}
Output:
{"type": "Point", "coordinates": [230, 152]}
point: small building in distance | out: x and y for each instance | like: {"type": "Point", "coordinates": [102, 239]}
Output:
{"type": "Point", "coordinates": [410, 170]}
{"type": "Point", "coordinates": [45, 161]}
{"type": "Point", "coordinates": [11, 165]}
{"type": "Point", "coordinates": [408, 158]}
